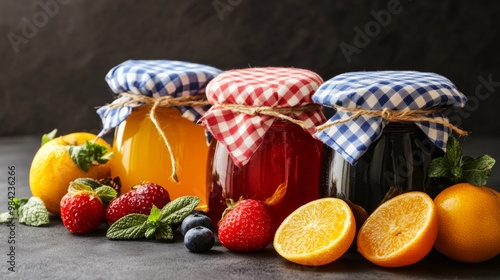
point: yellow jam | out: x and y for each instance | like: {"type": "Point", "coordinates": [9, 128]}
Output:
{"type": "Point", "coordinates": [139, 153]}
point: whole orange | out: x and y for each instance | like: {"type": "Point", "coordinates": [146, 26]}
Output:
{"type": "Point", "coordinates": [469, 223]}
{"type": "Point", "coordinates": [52, 168]}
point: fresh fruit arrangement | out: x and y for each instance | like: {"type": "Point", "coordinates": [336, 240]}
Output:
{"type": "Point", "coordinates": [462, 222]}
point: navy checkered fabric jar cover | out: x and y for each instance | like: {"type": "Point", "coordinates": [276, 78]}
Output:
{"type": "Point", "coordinates": [155, 78]}
{"type": "Point", "coordinates": [377, 90]}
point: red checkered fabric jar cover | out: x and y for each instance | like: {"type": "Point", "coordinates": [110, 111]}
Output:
{"type": "Point", "coordinates": [243, 133]}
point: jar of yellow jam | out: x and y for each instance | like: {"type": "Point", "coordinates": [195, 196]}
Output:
{"type": "Point", "coordinates": [156, 137]}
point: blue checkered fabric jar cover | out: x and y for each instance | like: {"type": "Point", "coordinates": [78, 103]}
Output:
{"type": "Point", "coordinates": [155, 78]}
{"type": "Point", "coordinates": [377, 90]}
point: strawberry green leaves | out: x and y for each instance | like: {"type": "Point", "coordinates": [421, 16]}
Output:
{"type": "Point", "coordinates": [157, 225]}
{"type": "Point", "coordinates": [105, 193]}
{"type": "Point", "coordinates": [458, 168]}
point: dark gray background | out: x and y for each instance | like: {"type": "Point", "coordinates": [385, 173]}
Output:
{"type": "Point", "coordinates": [54, 75]}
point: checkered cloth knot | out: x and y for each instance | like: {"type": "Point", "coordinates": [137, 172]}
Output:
{"type": "Point", "coordinates": [157, 83]}
{"type": "Point", "coordinates": [366, 102]}
{"type": "Point", "coordinates": [246, 102]}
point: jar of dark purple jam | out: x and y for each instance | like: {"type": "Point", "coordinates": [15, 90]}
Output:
{"type": "Point", "coordinates": [397, 162]}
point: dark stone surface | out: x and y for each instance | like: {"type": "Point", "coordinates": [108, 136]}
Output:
{"type": "Point", "coordinates": [53, 74]}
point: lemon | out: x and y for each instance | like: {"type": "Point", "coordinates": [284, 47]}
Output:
{"type": "Point", "coordinates": [53, 168]}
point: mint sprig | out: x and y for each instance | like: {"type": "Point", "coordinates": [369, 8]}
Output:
{"type": "Point", "coordinates": [157, 225]}
{"type": "Point", "coordinates": [88, 154]}
{"type": "Point", "coordinates": [458, 168]}
{"type": "Point", "coordinates": [28, 211]}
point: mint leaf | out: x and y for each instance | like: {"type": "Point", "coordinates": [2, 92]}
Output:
{"type": "Point", "coordinates": [106, 194]}
{"type": "Point", "coordinates": [153, 223]}
{"type": "Point", "coordinates": [453, 153]}
{"type": "Point", "coordinates": [150, 231]}
{"type": "Point", "coordinates": [448, 166]}
{"type": "Point", "coordinates": [175, 211]}
{"type": "Point", "coordinates": [154, 214]}
{"type": "Point", "coordinates": [103, 159]}
{"type": "Point", "coordinates": [131, 226]}
{"type": "Point", "coordinates": [466, 160]}
{"type": "Point", "coordinates": [438, 168]}
{"type": "Point", "coordinates": [478, 172]}
{"type": "Point", "coordinates": [33, 213]}
{"type": "Point", "coordinates": [21, 201]}
{"type": "Point", "coordinates": [164, 231]}
{"type": "Point", "coordinates": [456, 173]}
{"type": "Point", "coordinates": [88, 154]}
{"type": "Point", "coordinates": [5, 217]}
{"type": "Point", "coordinates": [48, 136]}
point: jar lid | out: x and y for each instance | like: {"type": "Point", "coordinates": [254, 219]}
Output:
{"type": "Point", "coordinates": [134, 80]}
{"type": "Point", "coordinates": [242, 127]}
{"type": "Point", "coordinates": [365, 101]}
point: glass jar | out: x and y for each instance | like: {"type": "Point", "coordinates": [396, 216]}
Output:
{"type": "Point", "coordinates": [283, 173]}
{"type": "Point", "coordinates": [139, 153]}
{"type": "Point", "coordinates": [396, 162]}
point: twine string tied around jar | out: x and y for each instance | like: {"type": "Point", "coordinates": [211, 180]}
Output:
{"type": "Point", "coordinates": [273, 111]}
{"type": "Point", "coordinates": [417, 115]}
{"type": "Point", "coordinates": [164, 101]}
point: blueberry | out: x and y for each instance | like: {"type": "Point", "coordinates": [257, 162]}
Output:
{"type": "Point", "coordinates": [199, 239]}
{"type": "Point", "coordinates": [194, 220]}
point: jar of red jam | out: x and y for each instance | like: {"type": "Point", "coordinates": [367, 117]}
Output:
{"type": "Point", "coordinates": [387, 128]}
{"type": "Point", "coordinates": [262, 120]}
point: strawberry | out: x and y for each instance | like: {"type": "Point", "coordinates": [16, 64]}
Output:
{"type": "Point", "coordinates": [82, 211]}
{"type": "Point", "coordinates": [245, 227]}
{"type": "Point", "coordinates": [139, 200]}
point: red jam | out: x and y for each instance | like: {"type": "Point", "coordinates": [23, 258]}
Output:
{"type": "Point", "coordinates": [283, 173]}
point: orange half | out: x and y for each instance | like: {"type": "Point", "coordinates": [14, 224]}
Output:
{"type": "Point", "coordinates": [316, 233]}
{"type": "Point", "coordinates": [400, 232]}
